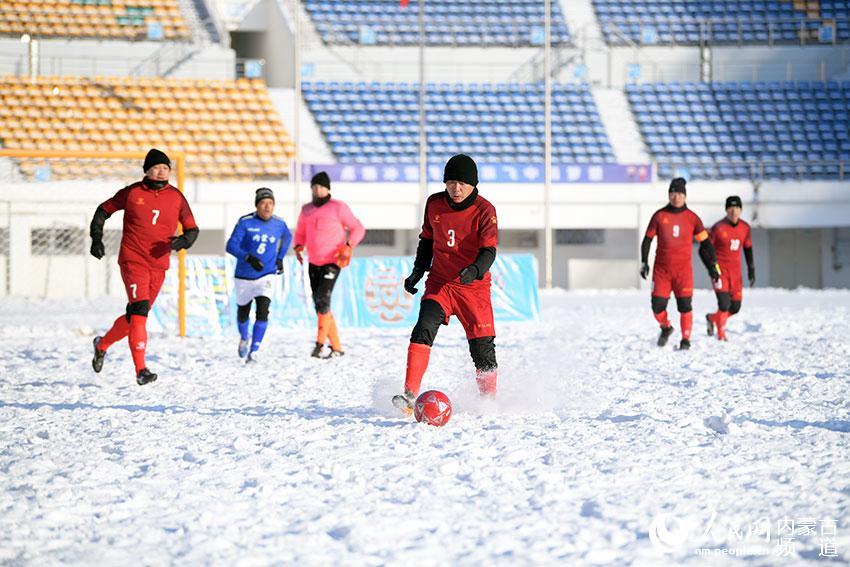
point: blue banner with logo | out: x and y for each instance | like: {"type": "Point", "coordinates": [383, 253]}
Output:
{"type": "Point", "coordinates": [489, 173]}
{"type": "Point", "coordinates": [369, 293]}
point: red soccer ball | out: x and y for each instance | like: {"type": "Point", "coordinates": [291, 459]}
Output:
{"type": "Point", "coordinates": [433, 407]}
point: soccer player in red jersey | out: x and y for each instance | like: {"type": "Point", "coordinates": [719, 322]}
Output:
{"type": "Point", "coordinates": [152, 208]}
{"type": "Point", "coordinates": [457, 246]}
{"type": "Point", "coordinates": [676, 226]}
{"type": "Point", "coordinates": [729, 236]}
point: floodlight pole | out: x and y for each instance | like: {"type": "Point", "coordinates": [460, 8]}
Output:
{"type": "Point", "coordinates": [423, 146]}
{"type": "Point", "coordinates": [547, 139]}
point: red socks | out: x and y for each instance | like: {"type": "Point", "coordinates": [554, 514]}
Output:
{"type": "Point", "coordinates": [417, 362]}
{"type": "Point", "coordinates": [720, 319]}
{"type": "Point", "coordinates": [687, 322]}
{"type": "Point", "coordinates": [119, 330]}
{"type": "Point", "coordinates": [138, 340]}
{"type": "Point", "coordinates": [662, 319]}
{"type": "Point", "coordinates": [486, 383]}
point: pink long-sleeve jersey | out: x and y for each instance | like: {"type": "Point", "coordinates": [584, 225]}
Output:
{"type": "Point", "coordinates": [322, 230]}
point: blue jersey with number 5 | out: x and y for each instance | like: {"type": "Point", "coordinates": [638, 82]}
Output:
{"type": "Point", "coordinates": [267, 240]}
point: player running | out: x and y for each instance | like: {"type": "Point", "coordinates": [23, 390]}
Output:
{"type": "Point", "coordinates": [259, 242]}
{"type": "Point", "coordinates": [457, 246]}
{"type": "Point", "coordinates": [152, 208]}
{"type": "Point", "coordinates": [675, 225]}
{"type": "Point", "coordinates": [329, 231]}
{"type": "Point", "coordinates": [729, 235]}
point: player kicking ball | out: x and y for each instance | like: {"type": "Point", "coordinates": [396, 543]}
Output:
{"type": "Point", "coordinates": [729, 236]}
{"type": "Point", "coordinates": [457, 247]}
{"type": "Point", "coordinates": [259, 242]}
{"type": "Point", "coordinates": [152, 208]}
{"type": "Point", "coordinates": [676, 226]}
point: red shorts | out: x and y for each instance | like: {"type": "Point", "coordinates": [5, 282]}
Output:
{"type": "Point", "coordinates": [730, 282]}
{"type": "Point", "coordinates": [469, 303]}
{"type": "Point", "coordinates": [665, 280]}
{"type": "Point", "coordinates": [141, 282]}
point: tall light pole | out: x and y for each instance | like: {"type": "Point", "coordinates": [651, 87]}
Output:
{"type": "Point", "coordinates": [547, 138]}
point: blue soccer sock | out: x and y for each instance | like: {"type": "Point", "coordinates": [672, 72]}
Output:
{"type": "Point", "coordinates": [243, 329]}
{"type": "Point", "coordinates": [259, 331]}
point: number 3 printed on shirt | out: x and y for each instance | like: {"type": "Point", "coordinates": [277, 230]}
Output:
{"type": "Point", "coordinates": [155, 215]}
{"type": "Point", "coordinates": [451, 241]}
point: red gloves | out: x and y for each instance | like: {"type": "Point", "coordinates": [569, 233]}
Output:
{"type": "Point", "coordinates": [343, 255]}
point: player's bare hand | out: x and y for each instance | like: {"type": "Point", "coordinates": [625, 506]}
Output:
{"type": "Point", "coordinates": [468, 274]}
{"type": "Point", "coordinates": [412, 280]}
{"type": "Point", "coordinates": [343, 255]}
{"type": "Point", "coordinates": [644, 270]}
{"type": "Point", "coordinates": [299, 250]}
{"type": "Point", "coordinates": [98, 250]}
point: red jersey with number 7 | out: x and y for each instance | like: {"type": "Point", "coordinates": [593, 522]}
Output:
{"type": "Point", "coordinates": [728, 240]}
{"type": "Point", "coordinates": [676, 229]}
{"type": "Point", "coordinates": [458, 235]}
{"type": "Point", "coordinates": [150, 220]}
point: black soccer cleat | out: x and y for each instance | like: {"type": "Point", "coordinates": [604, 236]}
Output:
{"type": "Point", "coordinates": [709, 328]}
{"type": "Point", "coordinates": [145, 376]}
{"type": "Point", "coordinates": [665, 335]}
{"type": "Point", "coordinates": [317, 350]}
{"type": "Point", "coordinates": [334, 354]}
{"type": "Point", "coordinates": [99, 355]}
{"type": "Point", "coordinates": [684, 344]}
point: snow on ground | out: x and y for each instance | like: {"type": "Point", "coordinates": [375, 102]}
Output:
{"type": "Point", "coordinates": [601, 449]}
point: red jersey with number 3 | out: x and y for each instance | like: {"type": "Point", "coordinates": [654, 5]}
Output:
{"type": "Point", "coordinates": [458, 235]}
{"type": "Point", "coordinates": [676, 229]}
{"type": "Point", "coordinates": [150, 220]}
{"type": "Point", "coordinates": [729, 239]}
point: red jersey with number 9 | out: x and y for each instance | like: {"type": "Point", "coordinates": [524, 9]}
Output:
{"type": "Point", "coordinates": [729, 239]}
{"type": "Point", "coordinates": [458, 235]}
{"type": "Point", "coordinates": [150, 220]}
{"type": "Point", "coordinates": [676, 229]}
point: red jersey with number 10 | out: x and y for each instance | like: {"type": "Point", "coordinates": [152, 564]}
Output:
{"type": "Point", "coordinates": [150, 220]}
{"type": "Point", "coordinates": [676, 229]}
{"type": "Point", "coordinates": [458, 235]}
{"type": "Point", "coordinates": [729, 239]}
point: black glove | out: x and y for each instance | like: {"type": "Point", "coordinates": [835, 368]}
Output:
{"type": "Point", "coordinates": [254, 262]}
{"type": "Point", "coordinates": [279, 265]}
{"type": "Point", "coordinates": [179, 243]}
{"type": "Point", "coordinates": [468, 274]}
{"type": "Point", "coordinates": [97, 248]}
{"type": "Point", "coordinates": [714, 272]}
{"type": "Point", "coordinates": [412, 280]}
{"type": "Point", "coordinates": [751, 275]}
{"type": "Point", "coordinates": [644, 270]}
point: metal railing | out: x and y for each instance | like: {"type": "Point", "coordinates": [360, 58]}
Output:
{"type": "Point", "coordinates": [757, 170]}
{"type": "Point", "coordinates": [809, 31]}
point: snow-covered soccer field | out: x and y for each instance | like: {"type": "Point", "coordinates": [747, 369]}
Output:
{"type": "Point", "coordinates": [596, 433]}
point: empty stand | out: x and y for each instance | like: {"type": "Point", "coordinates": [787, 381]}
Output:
{"type": "Point", "coordinates": [104, 19]}
{"type": "Point", "coordinates": [226, 129]}
{"type": "Point", "coordinates": [720, 21]}
{"type": "Point", "coordinates": [379, 122]}
{"type": "Point", "coordinates": [447, 22]}
{"type": "Point", "coordinates": [741, 130]}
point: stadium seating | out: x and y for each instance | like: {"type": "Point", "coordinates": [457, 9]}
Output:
{"type": "Point", "coordinates": [379, 122]}
{"type": "Point", "coordinates": [227, 129]}
{"type": "Point", "coordinates": [104, 19]}
{"type": "Point", "coordinates": [720, 21]}
{"type": "Point", "coordinates": [746, 130]}
{"type": "Point", "coordinates": [447, 22]}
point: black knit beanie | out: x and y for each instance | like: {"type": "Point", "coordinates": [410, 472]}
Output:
{"type": "Point", "coordinates": [678, 186]}
{"type": "Point", "coordinates": [734, 201]}
{"type": "Point", "coordinates": [322, 179]}
{"type": "Point", "coordinates": [461, 168]}
{"type": "Point", "coordinates": [155, 157]}
{"type": "Point", "coordinates": [263, 193]}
